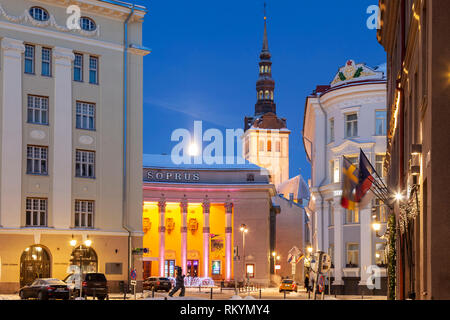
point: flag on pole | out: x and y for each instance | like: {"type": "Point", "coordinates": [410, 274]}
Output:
{"type": "Point", "coordinates": [365, 178]}
{"type": "Point", "coordinates": [349, 183]}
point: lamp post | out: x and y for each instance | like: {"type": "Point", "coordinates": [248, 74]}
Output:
{"type": "Point", "coordinates": [274, 254]}
{"type": "Point", "coordinates": [244, 230]}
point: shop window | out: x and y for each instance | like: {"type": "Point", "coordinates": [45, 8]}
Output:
{"type": "Point", "coordinates": [216, 267]}
{"type": "Point", "coordinates": [250, 268]}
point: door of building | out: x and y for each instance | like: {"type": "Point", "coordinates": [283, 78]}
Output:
{"type": "Point", "coordinates": [169, 268]}
{"type": "Point", "coordinates": [192, 268]}
{"type": "Point", "coordinates": [34, 263]}
{"type": "Point", "coordinates": [147, 268]}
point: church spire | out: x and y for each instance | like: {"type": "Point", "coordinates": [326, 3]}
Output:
{"type": "Point", "coordinates": [265, 85]}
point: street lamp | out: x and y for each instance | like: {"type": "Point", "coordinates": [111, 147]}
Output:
{"type": "Point", "coordinates": [274, 254]}
{"type": "Point", "coordinates": [244, 230]}
{"type": "Point", "coordinates": [377, 227]}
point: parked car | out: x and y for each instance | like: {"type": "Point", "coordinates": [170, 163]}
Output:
{"type": "Point", "coordinates": [288, 285]}
{"type": "Point", "coordinates": [157, 283]}
{"type": "Point", "coordinates": [93, 285]}
{"type": "Point", "coordinates": [45, 288]}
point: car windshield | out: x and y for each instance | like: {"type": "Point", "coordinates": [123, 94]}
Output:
{"type": "Point", "coordinates": [54, 281]}
{"type": "Point", "coordinates": [95, 277]}
{"type": "Point", "coordinates": [164, 279]}
{"type": "Point", "coordinates": [288, 281]}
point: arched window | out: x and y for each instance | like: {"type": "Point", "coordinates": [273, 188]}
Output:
{"type": "Point", "coordinates": [39, 14]}
{"type": "Point", "coordinates": [261, 94]}
{"type": "Point", "coordinates": [267, 94]}
{"type": "Point", "coordinates": [271, 95]}
{"type": "Point", "coordinates": [266, 69]}
{"type": "Point", "coordinates": [269, 145]}
{"type": "Point", "coordinates": [87, 24]}
{"type": "Point", "coordinates": [261, 145]}
{"type": "Point", "coordinates": [34, 263]}
{"type": "Point", "coordinates": [278, 146]}
{"type": "Point", "coordinates": [270, 69]}
{"type": "Point", "coordinates": [85, 257]}
{"type": "Point", "coordinates": [261, 69]}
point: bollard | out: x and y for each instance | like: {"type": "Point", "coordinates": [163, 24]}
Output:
{"type": "Point", "coordinates": [259, 293]}
{"type": "Point", "coordinates": [93, 297]}
{"type": "Point", "coordinates": [284, 294]}
{"type": "Point", "coordinates": [153, 292]}
{"type": "Point", "coordinates": [211, 297]}
{"type": "Point", "coordinates": [199, 288]}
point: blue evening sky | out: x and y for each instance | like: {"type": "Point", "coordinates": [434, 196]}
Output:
{"type": "Point", "coordinates": [204, 61]}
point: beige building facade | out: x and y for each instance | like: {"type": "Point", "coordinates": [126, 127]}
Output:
{"type": "Point", "coordinates": [63, 173]}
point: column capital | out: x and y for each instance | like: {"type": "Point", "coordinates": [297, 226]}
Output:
{"type": "Point", "coordinates": [184, 204]}
{"type": "Point", "coordinates": [162, 203]}
{"type": "Point", "coordinates": [206, 205]}
{"type": "Point", "coordinates": [63, 56]}
{"type": "Point", "coordinates": [12, 47]}
{"type": "Point", "coordinates": [228, 206]}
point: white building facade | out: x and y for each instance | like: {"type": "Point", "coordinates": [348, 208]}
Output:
{"type": "Point", "coordinates": [339, 120]}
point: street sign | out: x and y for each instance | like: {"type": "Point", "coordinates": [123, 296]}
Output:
{"type": "Point", "coordinates": [133, 282]}
{"type": "Point", "coordinates": [321, 284]}
{"type": "Point", "coordinates": [326, 263]}
{"type": "Point", "coordinates": [140, 250]}
{"type": "Point", "coordinates": [133, 274]}
{"type": "Point", "coordinates": [235, 251]}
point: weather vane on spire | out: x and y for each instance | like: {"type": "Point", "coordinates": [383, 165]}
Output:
{"type": "Point", "coordinates": [265, 16]}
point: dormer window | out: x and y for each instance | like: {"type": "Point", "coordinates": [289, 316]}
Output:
{"type": "Point", "coordinates": [39, 14]}
{"type": "Point", "coordinates": [87, 24]}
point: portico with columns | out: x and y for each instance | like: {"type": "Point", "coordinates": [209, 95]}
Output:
{"type": "Point", "coordinates": [194, 224]}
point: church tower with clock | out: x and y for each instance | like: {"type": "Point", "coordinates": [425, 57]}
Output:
{"type": "Point", "coordinates": [266, 137]}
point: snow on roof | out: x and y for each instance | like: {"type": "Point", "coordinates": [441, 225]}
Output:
{"type": "Point", "coordinates": [164, 161]}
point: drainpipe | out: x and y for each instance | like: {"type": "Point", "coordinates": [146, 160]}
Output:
{"type": "Point", "coordinates": [125, 96]}
{"type": "Point", "coordinates": [324, 163]}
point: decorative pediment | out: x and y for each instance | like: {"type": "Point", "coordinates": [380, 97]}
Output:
{"type": "Point", "coordinates": [355, 72]}
{"type": "Point", "coordinates": [351, 147]}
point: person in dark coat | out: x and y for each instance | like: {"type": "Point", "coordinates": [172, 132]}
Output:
{"type": "Point", "coordinates": [307, 283]}
{"type": "Point", "coordinates": [179, 284]}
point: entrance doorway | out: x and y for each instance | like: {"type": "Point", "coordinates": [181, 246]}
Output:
{"type": "Point", "coordinates": [34, 263]}
{"type": "Point", "coordinates": [169, 268]}
{"type": "Point", "coordinates": [192, 268]}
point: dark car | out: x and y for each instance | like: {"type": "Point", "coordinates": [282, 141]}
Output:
{"type": "Point", "coordinates": [93, 284]}
{"type": "Point", "coordinates": [157, 283]}
{"type": "Point", "coordinates": [45, 288]}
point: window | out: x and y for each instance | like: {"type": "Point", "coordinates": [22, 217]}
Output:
{"type": "Point", "coordinates": [269, 145]}
{"type": "Point", "coordinates": [380, 123]}
{"type": "Point", "coordinates": [84, 214]}
{"type": "Point", "coordinates": [36, 212]}
{"type": "Point", "coordinates": [351, 216]}
{"type": "Point", "coordinates": [351, 125]}
{"type": "Point", "coordinates": [331, 215]}
{"type": "Point", "coordinates": [250, 177]}
{"type": "Point", "coordinates": [261, 69]}
{"type": "Point", "coordinates": [46, 62]}
{"type": "Point", "coordinates": [87, 24]}
{"type": "Point", "coordinates": [261, 145]}
{"type": "Point", "coordinates": [331, 129]}
{"type": "Point", "coordinates": [93, 70]}
{"type": "Point", "coordinates": [85, 164]}
{"type": "Point", "coordinates": [379, 165]}
{"type": "Point", "coordinates": [39, 14]}
{"type": "Point", "coordinates": [261, 94]}
{"type": "Point", "coordinates": [29, 59]}
{"type": "Point", "coordinates": [216, 268]}
{"type": "Point", "coordinates": [250, 268]}
{"type": "Point", "coordinates": [169, 268]}
{"type": "Point", "coordinates": [78, 67]}
{"type": "Point", "coordinates": [379, 211]}
{"type": "Point", "coordinates": [267, 95]}
{"type": "Point", "coordinates": [352, 255]}
{"type": "Point", "coordinates": [380, 256]}
{"type": "Point", "coordinates": [332, 171]}
{"type": "Point", "coordinates": [278, 146]}
{"type": "Point", "coordinates": [85, 116]}
{"type": "Point", "coordinates": [37, 160]}
{"type": "Point", "coordinates": [331, 254]}
{"type": "Point", "coordinates": [37, 109]}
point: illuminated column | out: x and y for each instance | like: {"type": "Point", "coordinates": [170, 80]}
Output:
{"type": "Point", "coordinates": [162, 234]}
{"type": "Point", "coordinates": [228, 233]}
{"type": "Point", "coordinates": [366, 243]}
{"type": "Point", "coordinates": [206, 206]}
{"type": "Point", "coordinates": [11, 133]}
{"type": "Point", "coordinates": [338, 244]}
{"type": "Point", "coordinates": [184, 211]}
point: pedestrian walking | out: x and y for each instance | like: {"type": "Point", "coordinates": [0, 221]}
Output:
{"type": "Point", "coordinates": [179, 284]}
{"type": "Point", "coordinates": [306, 283]}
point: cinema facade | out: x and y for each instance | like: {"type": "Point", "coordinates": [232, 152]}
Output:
{"type": "Point", "coordinates": [192, 216]}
